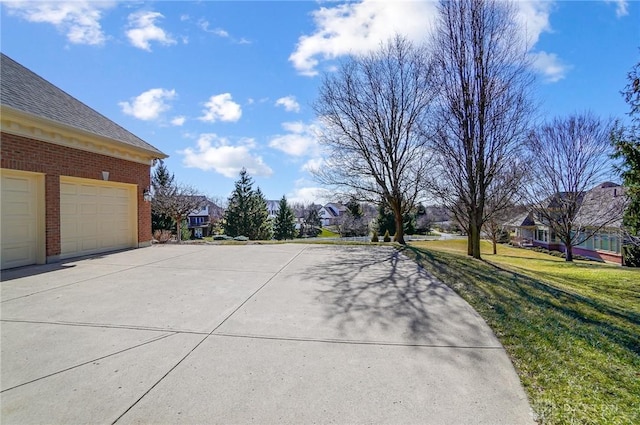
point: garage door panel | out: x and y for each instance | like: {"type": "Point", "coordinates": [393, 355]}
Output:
{"type": "Point", "coordinates": [22, 227]}
{"type": "Point", "coordinates": [104, 218]}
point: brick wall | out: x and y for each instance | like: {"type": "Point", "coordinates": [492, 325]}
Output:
{"type": "Point", "coordinates": [20, 153]}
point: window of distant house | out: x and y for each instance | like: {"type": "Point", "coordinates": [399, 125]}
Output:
{"type": "Point", "coordinates": [542, 235]}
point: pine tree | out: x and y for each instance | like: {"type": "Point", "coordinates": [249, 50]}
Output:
{"type": "Point", "coordinates": [237, 217]}
{"type": "Point", "coordinates": [284, 226]}
{"type": "Point", "coordinates": [247, 213]}
{"type": "Point", "coordinates": [261, 225]}
{"type": "Point", "coordinates": [161, 181]}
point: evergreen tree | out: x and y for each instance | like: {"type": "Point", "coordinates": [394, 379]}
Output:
{"type": "Point", "coordinates": [247, 213]}
{"type": "Point", "coordinates": [626, 142]}
{"type": "Point", "coordinates": [161, 181]}
{"type": "Point", "coordinates": [284, 226]}
{"type": "Point", "coordinates": [237, 217]}
{"type": "Point", "coordinates": [386, 220]}
{"type": "Point", "coordinates": [262, 228]}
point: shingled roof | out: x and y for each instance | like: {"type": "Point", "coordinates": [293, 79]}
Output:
{"type": "Point", "coordinates": [26, 91]}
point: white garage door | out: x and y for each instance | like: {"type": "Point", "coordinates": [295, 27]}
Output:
{"type": "Point", "coordinates": [22, 216]}
{"type": "Point", "coordinates": [96, 216]}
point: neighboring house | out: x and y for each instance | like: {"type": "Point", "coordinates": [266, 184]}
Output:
{"type": "Point", "coordinates": [332, 214]}
{"type": "Point", "coordinates": [73, 181]}
{"type": "Point", "coordinates": [199, 222]}
{"type": "Point", "coordinates": [605, 244]}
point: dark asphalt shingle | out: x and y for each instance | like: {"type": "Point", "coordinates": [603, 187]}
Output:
{"type": "Point", "coordinates": [26, 91]}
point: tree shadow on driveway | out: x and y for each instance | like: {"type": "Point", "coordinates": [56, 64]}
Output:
{"type": "Point", "coordinates": [380, 294]}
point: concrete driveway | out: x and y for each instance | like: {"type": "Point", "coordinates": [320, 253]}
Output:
{"type": "Point", "coordinates": [263, 334]}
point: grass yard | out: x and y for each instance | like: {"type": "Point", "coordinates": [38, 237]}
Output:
{"type": "Point", "coordinates": [571, 330]}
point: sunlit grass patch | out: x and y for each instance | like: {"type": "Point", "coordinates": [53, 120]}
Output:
{"type": "Point", "coordinates": [572, 330]}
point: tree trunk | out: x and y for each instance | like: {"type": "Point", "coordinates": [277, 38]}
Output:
{"type": "Point", "coordinates": [179, 229]}
{"type": "Point", "coordinates": [495, 245]}
{"type": "Point", "coordinates": [474, 237]}
{"type": "Point", "coordinates": [568, 253]}
{"type": "Point", "coordinates": [399, 237]}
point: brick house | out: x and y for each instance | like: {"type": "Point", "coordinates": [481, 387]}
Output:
{"type": "Point", "coordinates": [73, 181]}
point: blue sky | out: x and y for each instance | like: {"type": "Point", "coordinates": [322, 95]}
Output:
{"type": "Point", "coordinates": [223, 85]}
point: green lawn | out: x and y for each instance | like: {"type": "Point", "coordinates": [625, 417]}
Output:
{"type": "Point", "coordinates": [571, 330]}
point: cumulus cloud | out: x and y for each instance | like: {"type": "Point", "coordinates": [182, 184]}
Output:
{"type": "Point", "coordinates": [305, 193]}
{"type": "Point", "coordinates": [301, 139]}
{"type": "Point", "coordinates": [356, 28]}
{"type": "Point", "coordinates": [143, 30]}
{"type": "Point", "coordinates": [218, 154]}
{"type": "Point", "coordinates": [148, 105]}
{"type": "Point", "coordinates": [622, 7]}
{"type": "Point", "coordinates": [289, 103]}
{"type": "Point", "coordinates": [221, 108]}
{"type": "Point", "coordinates": [80, 20]}
{"type": "Point", "coordinates": [533, 19]}
{"type": "Point", "coordinates": [313, 165]}
{"type": "Point", "coordinates": [549, 66]}
{"type": "Point", "coordinates": [178, 121]}
{"type": "Point", "coordinates": [359, 27]}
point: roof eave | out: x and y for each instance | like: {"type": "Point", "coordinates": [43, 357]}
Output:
{"type": "Point", "coordinates": [21, 123]}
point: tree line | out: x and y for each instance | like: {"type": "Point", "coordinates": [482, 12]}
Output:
{"type": "Point", "coordinates": [453, 120]}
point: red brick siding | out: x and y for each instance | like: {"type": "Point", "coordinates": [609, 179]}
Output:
{"type": "Point", "coordinates": [20, 153]}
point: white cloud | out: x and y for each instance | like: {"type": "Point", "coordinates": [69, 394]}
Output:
{"type": "Point", "coordinates": [178, 121]}
{"type": "Point", "coordinates": [218, 154]}
{"type": "Point", "coordinates": [305, 193]}
{"type": "Point", "coordinates": [143, 29]}
{"type": "Point", "coordinates": [313, 165]}
{"type": "Point", "coordinates": [289, 103]}
{"type": "Point", "coordinates": [149, 105]}
{"type": "Point", "coordinates": [622, 7]}
{"type": "Point", "coordinates": [204, 25]}
{"type": "Point", "coordinates": [356, 28]}
{"type": "Point", "coordinates": [221, 108]}
{"type": "Point", "coordinates": [533, 19]}
{"type": "Point", "coordinates": [301, 139]}
{"type": "Point", "coordinates": [79, 19]}
{"type": "Point", "coordinates": [360, 27]}
{"type": "Point", "coordinates": [549, 66]}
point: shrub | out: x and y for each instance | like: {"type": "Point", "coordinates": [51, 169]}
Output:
{"type": "Point", "coordinates": [222, 238]}
{"type": "Point", "coordinates": [375, 237]}
{"type": "Point", "coordinates": [386, 237]}
{"type": "Point", "coordinates": [162, 236]}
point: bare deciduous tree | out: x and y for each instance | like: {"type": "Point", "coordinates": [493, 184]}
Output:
{"type": "Point", "coordinates": [374, 110]}
{"type": "Point", "coordinates": [571, 156]}
{"type": "Point", "coordinates": [177, 201]}
{"type": "Point", "coordinates": [503, 194]}
{"type": "Point", "coordinates": [484, 110]}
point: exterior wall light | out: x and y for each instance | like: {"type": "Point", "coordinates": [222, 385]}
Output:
{"type": "Point", "coordinates": [146, 195]}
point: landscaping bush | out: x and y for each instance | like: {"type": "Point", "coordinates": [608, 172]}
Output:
{"type": "Point", "coordinates": [162, 236]}
{"type": "Point", "coordinates": [375, 237]}
{"type": "Point", "coordinates": [222, 238]}
{"type": "Point", "coordinates": [386, 237]}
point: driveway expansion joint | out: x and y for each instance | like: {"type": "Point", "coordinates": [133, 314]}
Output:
{"type": "Point", "coordinates": [208, 335]}
{"type": "Point", "coordinates": [357, 342]}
